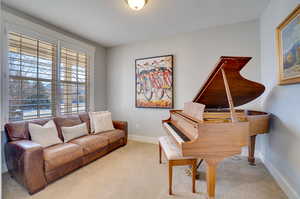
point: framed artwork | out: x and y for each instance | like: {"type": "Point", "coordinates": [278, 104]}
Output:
{"type": "Point", "coordinates": [154, 82]}
{"type": "Point", "coordinates": [288, 48]}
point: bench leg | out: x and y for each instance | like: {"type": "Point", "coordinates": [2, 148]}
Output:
{"type": "Point", "coordinates": [194, 172]}
{"type": "Point", "coordinates": [170, 177]}
{"type": "Point", "coordinates": [159, 153]}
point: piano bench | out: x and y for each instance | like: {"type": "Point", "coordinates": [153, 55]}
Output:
{"type": "Point", "coordinates": [175, 158]}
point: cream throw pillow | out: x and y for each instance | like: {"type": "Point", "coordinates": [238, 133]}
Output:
{"type": "Point", "coordinates": [102, 122]}
{"type": "Point", "coordinates": [44, 135]}
{"type": "Point", "coordinates": [92, 123]}
{"type": "Point", "coordinates": [72, 132]}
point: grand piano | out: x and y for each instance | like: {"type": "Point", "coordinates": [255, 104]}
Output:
{"type": "Point", "coordinates": [219, 130]}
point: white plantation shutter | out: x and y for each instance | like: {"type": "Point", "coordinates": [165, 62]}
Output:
{"type": "Point", "coordinates": [41, 83]}
{"type": "Point", "coordinates": [73, 81]}
{"type": "Point", "coordinates": [32, 65]}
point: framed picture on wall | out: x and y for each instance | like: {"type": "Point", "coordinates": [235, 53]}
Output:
{"type": "Point", "coordinates": [154, 82]}
{"type": "Point", "coordinates": [288, 48]}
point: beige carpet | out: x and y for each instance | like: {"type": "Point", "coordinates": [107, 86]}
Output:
{"type": "Point", "coordinates": [133, 172]}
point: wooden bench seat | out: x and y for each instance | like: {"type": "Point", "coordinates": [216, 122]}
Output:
{"type": "Point", "coordinates": [175, 158]}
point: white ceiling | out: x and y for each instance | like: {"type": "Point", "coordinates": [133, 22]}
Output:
{"type": "Point", "coordinates": [111, 22]}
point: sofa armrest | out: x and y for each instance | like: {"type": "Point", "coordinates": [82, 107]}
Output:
{"type": "Point", "coordinates": [123, 125]}
{"type": "Point", "coordinates": [25, 163]}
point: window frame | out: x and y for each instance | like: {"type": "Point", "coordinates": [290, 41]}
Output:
{"type": "Point", "coordinates": [13, 23]}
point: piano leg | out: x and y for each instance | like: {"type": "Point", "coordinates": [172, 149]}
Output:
{"type": "Point", "coordinates": [194, 172]}
{"type": "Point", "coordinates": [170, 177]}
{"type": "Point", "coordinates": [159, 149]}
{"type": "Point", "coordinates": [211, 176]}
{"type": "Point", "coordinates": [251, 150]}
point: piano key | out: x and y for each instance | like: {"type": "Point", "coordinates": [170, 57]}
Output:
{"type": "Point", "coordinates": [177, 132]}
{"type": "Point", "coordinates": [173, 133]}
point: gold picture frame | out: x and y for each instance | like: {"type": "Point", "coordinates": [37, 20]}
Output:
{"type": "Point", "coordinates": [288, 49]}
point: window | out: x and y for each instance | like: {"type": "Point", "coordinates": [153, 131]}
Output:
{"type": "Point", "coordinates": [43, 84]}
{"type": "Point", "coordinates": [32, 65]}
{"type": "Point", "coordinates": [73, 81]}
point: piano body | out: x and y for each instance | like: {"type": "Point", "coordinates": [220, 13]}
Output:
{"type": "Point", "coordinates": [222, 131]}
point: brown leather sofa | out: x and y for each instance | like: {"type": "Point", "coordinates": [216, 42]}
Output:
{"type": "Point", "coordinates": [34, 166]}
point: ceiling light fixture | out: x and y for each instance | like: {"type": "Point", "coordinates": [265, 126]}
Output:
{"type": "Point", "coordinates": [136, 4]}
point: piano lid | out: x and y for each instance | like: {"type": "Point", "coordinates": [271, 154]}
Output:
{"type": "Point", "coordinates": [213, 93]}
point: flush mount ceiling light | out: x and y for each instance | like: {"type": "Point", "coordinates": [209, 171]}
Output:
{"type": "Point", "coordinates": [136, 4]}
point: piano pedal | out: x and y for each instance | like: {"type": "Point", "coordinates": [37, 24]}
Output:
{"type": "Point", "coordinates": [188, 172]}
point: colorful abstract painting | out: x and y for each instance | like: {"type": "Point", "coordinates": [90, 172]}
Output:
{"type": "Point", "coordinates": [154, 82]}
{"type": "Point", "coordinates": [289, 48]}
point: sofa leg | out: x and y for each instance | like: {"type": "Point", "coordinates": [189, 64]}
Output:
{"type": "Point", "coordinates": [124, 142]}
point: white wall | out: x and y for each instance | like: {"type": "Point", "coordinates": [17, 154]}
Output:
{"type": "Point", "coordinates": [195, 56]}
{"type": "Point", "coordinates": [100, 94]}
{"type": "Point", "coordinates": [281, 147]}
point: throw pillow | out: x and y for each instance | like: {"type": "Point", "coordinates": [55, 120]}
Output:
{"type": "Point", "coordinates": [103, 122]}
{"type": "Point", "coordinates": [92, 123]}
{"type": "Point", "coordinates": [45, 135]}
{"type": "Point", "coordinates": [73, 132]}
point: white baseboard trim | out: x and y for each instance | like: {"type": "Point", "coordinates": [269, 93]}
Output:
{"type": "Point", "coordinates": [141, 138]}
{"type": "Point", "coordinates": [280, 179]}
{"type": "Point", "coordinates": [4, 169]}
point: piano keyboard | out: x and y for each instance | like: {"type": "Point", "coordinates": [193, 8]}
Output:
{"type": "Point", "coordinates": [177, 134]}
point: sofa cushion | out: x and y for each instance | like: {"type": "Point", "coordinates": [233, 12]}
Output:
{"type": "Point", "coordinates": [91, 143]}
{"type": "Point", "coordinates": [113, 135]}
{"type": "Point", "coordinates": [67, 121]}
{"type": "Point", "coordinates": [61, 154]}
